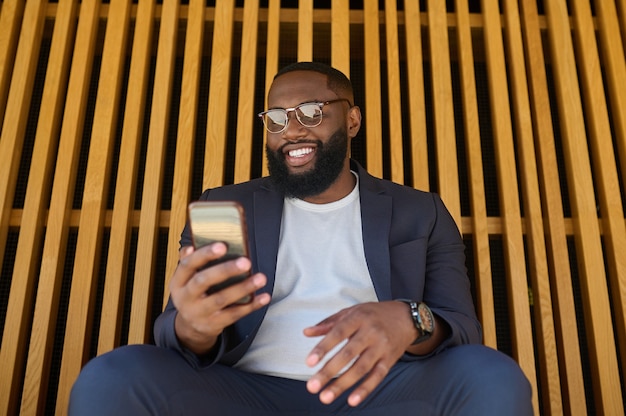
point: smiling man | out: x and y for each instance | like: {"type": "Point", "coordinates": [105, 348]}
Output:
{"type": "Point", "coordinates": [362, 303]}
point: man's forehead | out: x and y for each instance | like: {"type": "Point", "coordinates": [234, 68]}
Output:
{"type": "Point", "coordinates": [299, 83]}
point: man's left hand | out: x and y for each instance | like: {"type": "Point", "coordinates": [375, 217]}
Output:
{"type": "Point", "coordinates": [377, 335]}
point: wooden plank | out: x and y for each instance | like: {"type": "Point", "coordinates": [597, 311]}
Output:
{"type": "Point", "coordinates": [480, 231]}
{"type": "Point", "coordinates": [10, 22]}
{"type": "Point", "coordinates": [443, 111]}
{"type": "Point", "coordinates": [571, 379]}
{"type": "Point", "coordinates": [507, 184]}
{"type": "Point", "coordinates": [340, 35]}
{"type": "Point", "coordinates": [141, 306]}
{"type": "Point", "coordinates": [598, 323]}
{"type": "Point", "coordinates": [373, 105]}
{"type": "Point", "coordinates": [245, 103]}
{"type": "Point", "coordinates": [219, 94]}
{"type": "Point", "coordinates": [37, 198]}
{"type": "Point", "coordinates": [21, 294]}
{"type": "Point", "coordinates": [537, 265]}
{"type": "Point", "coordinates": [614, 64]}
{"type": "Point", "coordinates": [17, 109]}
{"type": "Point", "coordinates": [271, 58]}
{"type": "Point", "coordinates": [123, 205]}
{"type": "Point", "coordinates": [573, 400]}
{"type": "Point", "coordinates": [394, 95]}
{"type": "Point", "coordinates": [60, 212]}
{"type": "Point", "coordinates": [187, 119]}
{"type": "Point", "coordinates": [415, 95]}
{"type": "Point", "coordinates": [621, 12]}
{"type": "Point", "coordinates": [604, 165]}
{"type": "Point", "coordinates": [82, 294]}
{"type": "Point", "coordinates": [305, 30]}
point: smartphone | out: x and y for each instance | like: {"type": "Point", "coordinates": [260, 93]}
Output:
{"type": "Point", "coordinates": [221, 221]}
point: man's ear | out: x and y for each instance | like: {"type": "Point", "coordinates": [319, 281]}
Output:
{"type": "Point", "coordinates": [354, 121]}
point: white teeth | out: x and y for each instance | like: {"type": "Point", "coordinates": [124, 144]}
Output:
{"type": "Point", "coordinates": [300, 152]}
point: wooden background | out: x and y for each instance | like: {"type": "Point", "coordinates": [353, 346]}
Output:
{"type": "Point", "coordinates": [115, 115]}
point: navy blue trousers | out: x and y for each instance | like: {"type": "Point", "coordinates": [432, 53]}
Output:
{"type": "Point", "coordinates": [144, 379]}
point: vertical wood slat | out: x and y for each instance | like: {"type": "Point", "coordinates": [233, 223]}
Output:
{"type": "Point", "coordinates": [443, 111]}
{"type": "Point", "coordinates": [587, 234]}
{"type": "Point", "coordinates": [271, 58]}
{"type": "Point", "coordinates": [570, 367]}
{"type": "Point", "coordinates": [130, 146]}
{"type": "Point", "coordinates": [188, 116]}
{"type": "Point", "coordinates": [340, 35]}
{"type": "Point", "coordinates": [245, 105]}
{"type": "Point", "coordinates": [507, 184]}
{"type": "Point", "coordinates": [373, 105]}
{"type": "Point", "coordinates": [219, 93]}
{"type": "Point", "coordinates": [415, 95]}
{"type": "Point", "coordinates": [82, 294]}
{"type": "Point", "coordinates": [394, 102]}
{"type": "Point", "coordinates": [17, 108]}
{"type": "Point", "coordinates": [57, 227]}
{"type": "Point", "coordinates": [480, 234]}
{"type": "Point", "coordinates": [21, 299]}
{"type": "Point", "coordinates": [537, 264]}
{"type": "Point", "coordinates": [140, 312]}
{"type": "Point", "coordinates": [39, 184]}
{"type": "Point", "coordinates": [621, 12]}
{"type": "Point", "coordinates": [305, 30]}
{"type": "Point", "coordinates": [604, 166]}
{"type": "Point", "coordinates": [614, 62]}
{"type": "Point", "coordinates": [10, 21]}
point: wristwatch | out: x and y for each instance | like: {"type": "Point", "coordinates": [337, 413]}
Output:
{"type": "Point", "coordinates": [423, 319]}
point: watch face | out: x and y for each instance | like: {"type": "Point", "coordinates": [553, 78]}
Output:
{"type": "Point", "coordinates": [427, 317]}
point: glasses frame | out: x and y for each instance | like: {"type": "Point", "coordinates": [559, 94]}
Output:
{"type": "Point", "coordinates": [321, 105]}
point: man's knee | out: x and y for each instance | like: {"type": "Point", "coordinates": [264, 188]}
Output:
{"type": "Point", "coordinates": [495, 378]}
{"type": "Point", "coordinates": [111, 379]}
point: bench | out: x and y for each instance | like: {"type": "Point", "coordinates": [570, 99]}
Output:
{"type": "Point", "coordinates": [115, 116]}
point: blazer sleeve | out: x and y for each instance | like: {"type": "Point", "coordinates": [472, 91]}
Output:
{"type": "Point", "coordinates": [164, 332]}
{"type": "Point", "coordinates": [446, 284]}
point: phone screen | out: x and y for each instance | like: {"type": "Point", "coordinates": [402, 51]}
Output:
{"type": "Point", "coordinates": [220, 221]}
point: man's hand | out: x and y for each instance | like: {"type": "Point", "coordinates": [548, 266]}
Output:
{"type": "Point", "coordinates": [377, 335]}
{"type": "Point", "coordinates": [201, 318]}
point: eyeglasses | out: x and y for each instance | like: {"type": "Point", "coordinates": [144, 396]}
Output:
{"type": "Point", "coordinates": [308, 114]}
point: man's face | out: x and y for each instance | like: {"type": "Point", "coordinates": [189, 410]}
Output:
{"type": "Point", "coordinates": [306, 161]}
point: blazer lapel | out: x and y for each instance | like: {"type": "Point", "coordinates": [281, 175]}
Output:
{"type": "Point", "coordinates": [376, 224]}
{"type": "Point", "coordinates": [268, 212]}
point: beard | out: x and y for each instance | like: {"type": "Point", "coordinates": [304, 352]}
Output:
{"type": "Point", "coordinates": [330, 158]}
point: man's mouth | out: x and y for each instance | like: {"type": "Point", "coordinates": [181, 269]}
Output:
{"type": "Point", "coordinates": [300, 152]}
{"type": "Point", "coordinates": [296, 157]}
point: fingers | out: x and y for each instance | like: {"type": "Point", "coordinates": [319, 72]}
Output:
{"type": "Point", "coordinates": [371, 349]}
{"type": "Point", "coordinates": [190, 261]}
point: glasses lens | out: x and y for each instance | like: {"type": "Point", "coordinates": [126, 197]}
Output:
{"type": "Point", "coordinates": [310, 115]}
{"type": "Point", "coordinates": [275, 120]}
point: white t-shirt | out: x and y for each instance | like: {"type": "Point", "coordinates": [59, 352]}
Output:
{"type": "Point", "coordinates": [320, 270]}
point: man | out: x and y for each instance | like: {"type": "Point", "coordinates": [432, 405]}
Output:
{"type": "Point", "coordinates": [362, 303]}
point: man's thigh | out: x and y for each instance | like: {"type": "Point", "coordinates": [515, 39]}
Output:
{"type": "Point", "coordinates": [150, 380]}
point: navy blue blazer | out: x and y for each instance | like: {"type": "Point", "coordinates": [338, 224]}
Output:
{"type": "Point", "coordinates": [412, 247]}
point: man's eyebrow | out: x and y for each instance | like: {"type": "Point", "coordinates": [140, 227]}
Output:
{"type": "Point", "coordinates": [314, 101]}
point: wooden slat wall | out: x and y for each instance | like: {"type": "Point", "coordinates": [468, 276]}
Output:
{"type": "Point", "coordinates": [516, 117]}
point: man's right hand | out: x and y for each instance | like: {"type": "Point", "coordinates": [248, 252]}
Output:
{"type": "Point", "coordinates": [201, 318]}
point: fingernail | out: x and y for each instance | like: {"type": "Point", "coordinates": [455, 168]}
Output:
{"type": "Point", "coordinates": [354, 400]}
{"type": "Point", "coordinates": [312, 360]}
{"type": "Point", "coordinates": [243, 263]}
{"type": "Point", "coordinates": [327, 396]}
{"type": "Point", "coordinates": [313, 385]}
